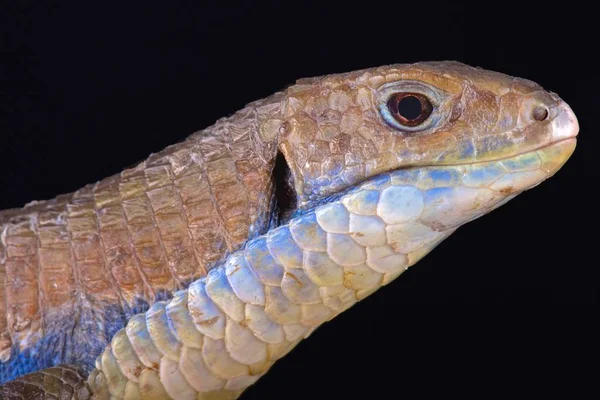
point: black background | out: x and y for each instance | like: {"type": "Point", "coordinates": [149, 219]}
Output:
{"type": "Point", "coordinates": [502, 307]}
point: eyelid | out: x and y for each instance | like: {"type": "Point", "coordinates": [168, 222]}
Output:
{"type": "Point", "coordinates": [434, 95]}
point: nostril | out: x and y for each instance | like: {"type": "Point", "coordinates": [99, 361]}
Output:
{"type": "Point", "coordinates": [540, 113]}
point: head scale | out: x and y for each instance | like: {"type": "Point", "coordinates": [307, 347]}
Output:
{"type": "Point", "coordinates": [339, 130]}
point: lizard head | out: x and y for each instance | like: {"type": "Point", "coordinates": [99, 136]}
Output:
{"type": "Point", "coordinates": [340, 130]}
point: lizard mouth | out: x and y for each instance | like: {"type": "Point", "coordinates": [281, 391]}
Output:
{"type": "Point", "coordinates": [526, 170]}
{"type": "Point", "coordinates": [565, 146]}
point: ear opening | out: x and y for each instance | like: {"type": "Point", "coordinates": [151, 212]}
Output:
{"type": "Point", "coordinates": [285, 193]}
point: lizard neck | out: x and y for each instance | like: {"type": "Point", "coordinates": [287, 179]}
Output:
{"type": "Point", "coordinates": [75, 268]}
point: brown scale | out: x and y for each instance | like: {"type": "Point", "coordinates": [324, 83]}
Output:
{"type": "Point", "coordinates": [56, 383]}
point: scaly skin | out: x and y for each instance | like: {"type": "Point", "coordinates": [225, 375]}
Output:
{"type": "Point", "coordinates": [482, 146]}
{"type": "Point", "coordinates": [223, 333]}
{"type": "Point", "coordinates": [74, 269]}
{"type": "Point", "coordinates": [60, 382]}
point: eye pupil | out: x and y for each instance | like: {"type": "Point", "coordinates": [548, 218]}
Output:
{"type": "Point", "coordinates": [540, 113]}
{"type": "Point", "coordinates": [410, 109]}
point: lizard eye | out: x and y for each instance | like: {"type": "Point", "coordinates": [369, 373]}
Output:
{"type": "Point", "coordinates": [412, 106]}
{"type": "Point", "coordinates": [409, 109]}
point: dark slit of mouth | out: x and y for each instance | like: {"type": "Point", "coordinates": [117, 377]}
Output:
{"type": "Point", "coordinates": [285, 194]}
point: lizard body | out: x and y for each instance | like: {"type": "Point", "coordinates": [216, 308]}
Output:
{"type": "Point", "coordinates": [373, 190]}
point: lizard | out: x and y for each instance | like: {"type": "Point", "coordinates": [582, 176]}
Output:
{"type": "Point", "coordinates": [190, 274]}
